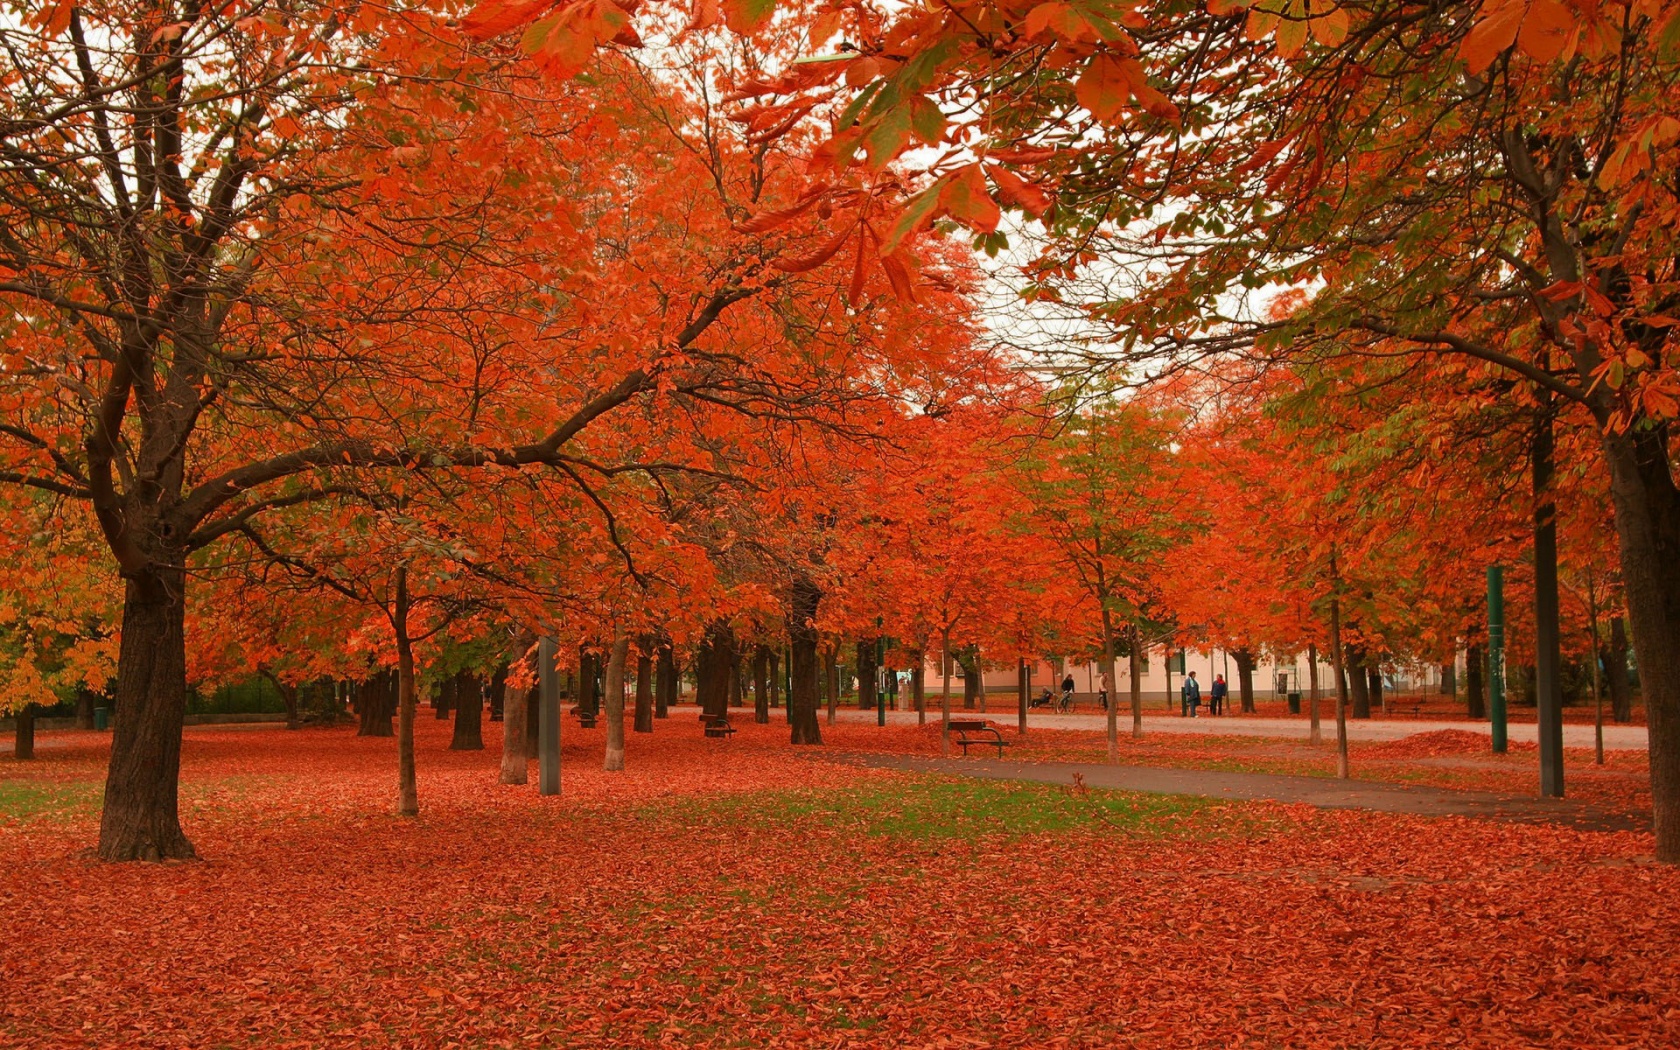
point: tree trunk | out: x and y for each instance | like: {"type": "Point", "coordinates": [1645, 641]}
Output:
{"type": "Point", "coordinates": [85, 706]}
{"type": "Point", "coordinates": [1336, 657]}
{"type": "Point", "coordinates": [469, 713]}
{"type": "Point", "coordinates": [644, 686]}
{"type": "Point", "coordinates": [1021, 697]}
{"type": "Point", "coordinates": [497, 691]}
{"type": "Point", "coordinates": [1245, 678]}
{"type": "Point", "coordinates": [917, 688]}
{"type": "Point", "coordinates": [973, 683]}
{"type": "Point", "coordinates": [945, 695]}
{"type": "Point", "coordinates": [1317, 734]}
{"type": "Point", "coordinates": [533, 718]}
{"type": "Point", "coordinates": [802, 662]}
{"type": "Point", "coordinates": [408, 796]}
{"type": "Point", "coordinates": [1615, 654]}
{"type": "Point", "coordinates": [1358, 683]}
{"type": "Point", "coordinates": [737, 680]}
{"type": "Point", "coordinates": [1475, 693]}
{"type": "Point", "coordinates": [713, 669]}
{"type": "Point", "coordinates": [761, 684]}
{"type": "Point", "coordinates": [515, 753]}
{"type": "Point", "coordinates": [1648, 527]}
{"type": "Point", "coordinates": [1134, 666]}
{"type": "Point", "coordinates": [288, 696]}
{"type": "Point", "coordinates": [373, 705]}
{"type": "Point", "coordinates": [615, 703]}
{"type": "Point", "coordinates": [665, 673]}
{"type": "Point", "coordinates": [1112, 700]}
{"type": "Point", "coordinates": [775, 658]}
{"type": "Point", "coordinates": [588, 697]}
{"type": "Point", "coordinates": [831, 673]}
{"type": "Point", "coordinates": [1373, 677]}
{"type": "Point", "coordinates": [23, 744]}
{"type": "Point", "coordinates": [866, 675]}
{"type": "Point", "coordinates": [443, 700]}
{"type": "Point", "coordinates": [1449, 679]}
{"type": "Point", "coordinates": [141, 816]}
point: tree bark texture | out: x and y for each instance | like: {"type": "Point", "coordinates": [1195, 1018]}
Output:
{"type": "Point", "coordinates": [665, 673]}
{"type": "Point", "coordinates": [515, 747]}
{"type": "Point", "coordinates": [1245, 678]}
{"type": "Point", "coordinates": [615, 703]}
{"type": "Point", "coordinates": [469, 713]}
{"type": "Point", "coordinates": [23, 742]}
{"type": "Point", "coordinates": [1359, 684]}
{"type": "Point", "coordinates": [714, 665]}
{"type": "Point", "coordinates": [761, 684]}
{"type": "Point", "coordinates": [1615, 652]}
{"type": "Point", "coordinates": [803, 662]}
{"type": "Point", "coordinates": [141, 815]}
{"type": "Point", "coordinates": [1475, 689]}
{"type": "Point", "coordinates": [644, 686]}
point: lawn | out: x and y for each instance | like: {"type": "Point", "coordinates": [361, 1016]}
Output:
{"type": "Point", "coordinates": [743, 894]}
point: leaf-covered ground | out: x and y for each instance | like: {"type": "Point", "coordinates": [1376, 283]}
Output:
{"type": "Point", "coordinates": [740, 893]}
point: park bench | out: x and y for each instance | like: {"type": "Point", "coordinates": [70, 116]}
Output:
{"type": "Point", "coordinates": [717, 726]}
{"type": "Point", "coordinates": [586, 719]}
{"type": "Point", "coordinates": [978, 731]}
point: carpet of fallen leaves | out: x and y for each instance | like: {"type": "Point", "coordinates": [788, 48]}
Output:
{"type": "Point", "coordinates": [683, 903]}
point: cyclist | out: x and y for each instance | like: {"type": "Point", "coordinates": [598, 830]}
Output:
{"type": "Point", "coordinates": [1067, 692]}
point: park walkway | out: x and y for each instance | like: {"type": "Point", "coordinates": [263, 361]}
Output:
{"type": "Point", "coordinates": [1616, 738]}
{"type": "Point", "coordinates": [1323, 792]}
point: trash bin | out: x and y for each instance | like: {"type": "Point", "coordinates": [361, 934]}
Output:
{"type": "Point", "coordinates": [101, 718]}
{"type": "Point", "coordinates": [1294, 703]}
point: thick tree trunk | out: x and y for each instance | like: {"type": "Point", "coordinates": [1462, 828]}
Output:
{"type": "Point", "coordinates": [615, 703]}
{"type": "Point", "coordinates": [141, 818]}
{"type": "Point", "coordinates": [866, 675]}
{"type": "Point", "coordinates": [644, 686]}
{"type": "Point", "coordinates": [1615, 653]}
{"type": "Point", "coordinates": [515, 756]}
{"type": "Point", "coordinates": [378, 705]}
{"type": "Point", "coordinates": [945, 695]}
{"type": "Point", "coordinates": [84, 707]}
{"type": "Point", "coordinates": [469, 713]}
{"type": "Point", "coordinates": [665, 693]}
{"type": "Point", "coordinates": [1449, 679]}
{"type": "Point", "coordinates": [969, 658]}
{"type": "Point", "coordinates": [1245, 678]}
{"type": "Point", "coordinates": [775, 659]}
{"type": "Point", "coordinates": [23, 743]}
{"type": "Point", "coordinates": [443, 698]}
{"type": "Point", "coordinates": [1475, 693]}
{"type": "Point", "coordinates": [1358, 683]}
{"type": "Point", "coordinates": [1648, 527]}
{"type": "Point", "coordinates": [803, 662]}
{"type": "Point", "coordinates": [714, 669]}
{"type": "Point", "coordinates": [737, 680]}
{"type": "Point", "coordinates": [1373, 679]}
{"type": "Point", "coordinates": [761, 684]}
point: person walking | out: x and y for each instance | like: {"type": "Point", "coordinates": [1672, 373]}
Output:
{"type": "Point", "coordinates": [1216, 695]}
{"type": "Point", "coordinates": [1191, 694]}
{"type": "Point", "coordinates": [1105, 685]}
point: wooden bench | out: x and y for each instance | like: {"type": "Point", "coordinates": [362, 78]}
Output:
{"type": "Point", "coordinates": [964, 739]}
{"type": "Point", "coordinates": [717, 726]}
{"type": "Point", "coordinates": [586, 719]}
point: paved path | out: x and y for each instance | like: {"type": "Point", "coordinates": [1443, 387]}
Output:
{"type": "Point", "coordinates": [1323, 792]}
{"type": "Point", "coordinates": [1616, 738]}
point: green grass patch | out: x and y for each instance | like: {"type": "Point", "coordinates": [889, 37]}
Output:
{"type": "Point", "coordinates": [45, 800]}
{"type": "Point", "coordinates": [932, 808]}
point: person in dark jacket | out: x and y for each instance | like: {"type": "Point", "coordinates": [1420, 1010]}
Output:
{"type": "Point", "coordinates": [1216, 695]}
{"type": "Point", "coordinates": [1191, 692]}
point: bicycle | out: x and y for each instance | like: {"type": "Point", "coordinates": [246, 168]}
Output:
{"type": "Point", "coordinates": [1065, 704]}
